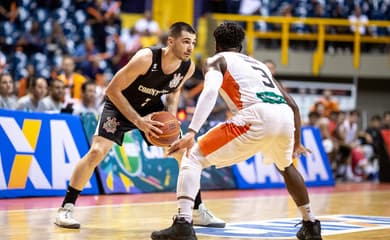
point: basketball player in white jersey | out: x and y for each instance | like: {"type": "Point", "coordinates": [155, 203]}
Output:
{"type": "Point", "coordinates": [265, 119]}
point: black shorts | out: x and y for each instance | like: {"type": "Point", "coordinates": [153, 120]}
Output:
{"type": "Point", "coordinates": [113, 125]}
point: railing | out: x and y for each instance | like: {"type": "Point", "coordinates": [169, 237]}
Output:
{"type": "Point", "coordinates": [320, 36]}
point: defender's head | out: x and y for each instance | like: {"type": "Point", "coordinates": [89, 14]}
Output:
{"type": "Point", "coordinates": [228, 37]}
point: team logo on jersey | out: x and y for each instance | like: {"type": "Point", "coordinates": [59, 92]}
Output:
{"type": "Point", "coordinates": [286, 228]}
{"type": "Point", "coordinates": [110, 125]}
{"type": "Point", "coordinates": [177, 77]}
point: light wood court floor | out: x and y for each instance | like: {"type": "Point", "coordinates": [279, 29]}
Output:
{"type": "Point", "coordinates": [136, 216]}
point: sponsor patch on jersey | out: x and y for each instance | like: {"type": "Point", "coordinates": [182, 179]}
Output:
{"type": "Point", "coordinates": [286, 228]}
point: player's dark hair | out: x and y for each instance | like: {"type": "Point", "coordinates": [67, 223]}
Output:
{"type": "Point", "coordinates": [176, 29]}
{"type": "Point", "coordinates": [229, 35]}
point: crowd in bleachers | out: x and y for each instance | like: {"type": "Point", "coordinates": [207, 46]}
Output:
{"type": "Point", "coordinates": [355, 154]}
{"type": "Point", "coordinates": [352, 10]}
{"type": "Point", "coordinates": [57, 56]}
{"type": "Point", "coordinates": [75, 41]}
{"type": "Point", "coordinates": [372, 9]}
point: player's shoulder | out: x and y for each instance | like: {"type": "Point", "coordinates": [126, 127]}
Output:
{"type": "Point", "coordinates": [144, 53]}
{"type": "Point", "coordinates": [142, 59]}
{"type": "Point", "coordinates": [215, 59]}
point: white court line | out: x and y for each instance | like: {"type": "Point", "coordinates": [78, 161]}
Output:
{"type": "Point", "coordinates": [283, 195]}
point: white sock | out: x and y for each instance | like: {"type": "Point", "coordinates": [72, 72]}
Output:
{"type": "Point", "coordinates": [306, 212]}
{"type": "Point", "coordinates": [185, 207]}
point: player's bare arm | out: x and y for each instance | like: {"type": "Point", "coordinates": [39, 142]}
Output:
{"type": "Point", "coordinates": [137, 66]}
{"type": "Point", "coordinates": [298, 147]}
{"type": "Point", "coordinates": [214, 68]}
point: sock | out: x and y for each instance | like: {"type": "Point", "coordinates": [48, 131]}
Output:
{"type": "Point", "coordinates": [198, 200]}
{"type": "Point", "coordinates": [71, 196]}
{"type": "Point", "coordinates": [185, 206]}
{"type": "Point", "coordinates": [306, 212]}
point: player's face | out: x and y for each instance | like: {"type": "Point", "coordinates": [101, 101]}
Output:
{"type": "Point", "coordinates": [184, 45]}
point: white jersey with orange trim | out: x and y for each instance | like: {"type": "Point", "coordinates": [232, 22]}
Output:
{"type": "Point", "coordinates": [247, 81]}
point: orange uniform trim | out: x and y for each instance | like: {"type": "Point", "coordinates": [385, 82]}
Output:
{"type": "Point", "coordinates": [232, 89]}
{"type": "Point", "coordinates": [220, 136]}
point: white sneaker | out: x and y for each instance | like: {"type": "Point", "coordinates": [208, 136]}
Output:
{"type": "Point", "coordinates": [203, 217]}
{"type": "Point", "coordinates": [65, 219]}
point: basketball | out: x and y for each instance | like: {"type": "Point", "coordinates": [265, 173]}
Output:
{"type": "Point", "coordinates": [171, 129]}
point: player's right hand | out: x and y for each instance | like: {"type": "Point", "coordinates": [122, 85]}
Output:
{"type": "Point", "coordinates": [149, 126]}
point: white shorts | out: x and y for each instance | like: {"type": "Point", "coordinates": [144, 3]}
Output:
{"type": "Point", "coordinates": [263, 127]}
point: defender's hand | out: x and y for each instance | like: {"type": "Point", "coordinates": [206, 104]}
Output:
{"type": "Point", "coordinates": [187, 141]}
{"type": "Point", "coordinates": [300, 149]}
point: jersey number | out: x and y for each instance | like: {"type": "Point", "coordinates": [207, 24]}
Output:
{"type": "Point", "coordinates": [267, 82]}
{"type": "Point", "coordinates": [145, 102]}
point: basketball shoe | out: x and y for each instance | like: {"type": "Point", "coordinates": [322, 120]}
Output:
{"type": "Point", "coordinates": [310, 231]}
{"type": "Point", "coordinates": [204, 218]}
{"type": "Point", "coordinates": [65, 219]}
{"type": "Point", "coordinates": [180, 230]}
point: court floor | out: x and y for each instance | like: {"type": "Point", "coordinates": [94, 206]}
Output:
{"type": "Point", "coordinates": [347, 211]}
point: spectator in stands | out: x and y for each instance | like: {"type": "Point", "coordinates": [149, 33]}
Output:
{"type": "Point", "coordinates": [7, 97]}
{"type": "Point", "coordinates": [313, 119]}
{"type": "Point", "coordinates": [146, 26]}
{"type": "Point", "coordinates": [329, 103]}
{"type": "Point", "coordinates": [9, 10]}
{"type": "Point", "coordinates": [111, 10]}
{"type": "Point", "coordinates": [355, 17]}
{"type": "Point", "coordinates": [88, 100]}
{"type": "Point", "coordinates": [131, 39]}
{"type": "Point", "coordinates": [37, 91]}
{"type": "Point", "coordinates": [377, 141]}
{"type": "Point", "coordinates": [386, 120]}
{"type": "Point", "coordinates": [72, 80]}
{"type": "Point", "coordinates": [56, 42]}
{"type": "Point", "coordinates": [53, 103]}
{"type": "Point", "coordinates": [96, 20]}
{"type": "Point", "coordinates": [3, 62]}
{"type": "Point", "coordinates": [33, 40]}
{"type": "Point", "coordinates": [24, 83]}
{"type": "Point", "coordinates": [347, 133]}
{"type": "Point", "coordinates": [358, 16]}
{"type": "Point", "coordinates": [87, 58]}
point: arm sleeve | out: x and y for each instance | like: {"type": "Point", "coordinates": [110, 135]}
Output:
{"type": "Point", "coordinates": [208, 97]}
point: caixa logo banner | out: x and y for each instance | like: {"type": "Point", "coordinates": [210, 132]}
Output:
{"type": "Point", "coordinates": [38, 153]}
{"type": "Point", "coordinates": [314, 167]}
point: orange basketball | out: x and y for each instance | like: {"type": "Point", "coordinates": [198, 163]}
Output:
{"type": "Point", "coordinates": [171, 129]}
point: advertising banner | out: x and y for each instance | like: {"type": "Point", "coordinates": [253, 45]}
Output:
{"type": "Point", "coordinates": [38, 153]}
{"type": "Point", "coordinates": [315, 167]}
{"type": "Point", "coordinates": [136, 167]}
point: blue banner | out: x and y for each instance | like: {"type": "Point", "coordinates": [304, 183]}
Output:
{"type": "Point", "coordinates": [315, 167]}
{"type": "Point", "coordinates": [38, 153]}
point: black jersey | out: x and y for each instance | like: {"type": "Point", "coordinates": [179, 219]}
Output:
{"type": "Point", "coordinates": [144, 94]}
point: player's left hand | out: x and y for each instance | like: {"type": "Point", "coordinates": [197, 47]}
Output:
{"type": "Point", "coordinates": [300, 149]}
{"type": "Point", "coordinates": [186, 142]}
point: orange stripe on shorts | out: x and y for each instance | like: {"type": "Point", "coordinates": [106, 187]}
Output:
{"type": "Point", "coordinates": [220, 136]}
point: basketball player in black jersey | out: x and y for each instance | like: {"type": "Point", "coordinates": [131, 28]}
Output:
{"type": "Point", "coordinates": [132, 97]}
